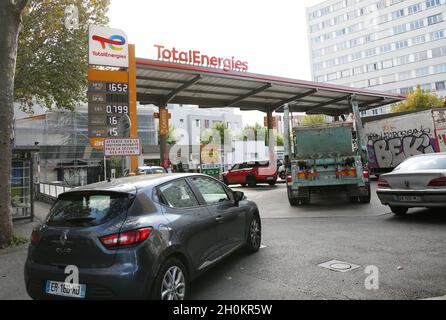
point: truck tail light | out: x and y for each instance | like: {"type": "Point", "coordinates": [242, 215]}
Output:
{"type": "Point", "coordinates": [127, 238]}
{"type": "Point", "coordinates": [439, 182]}
{"type": "Point", "coordinates": [352, 172]}
{"type": "Point", "coordinates": [366, 174]}
{"type": "Point", "coordinates": [383, 184]}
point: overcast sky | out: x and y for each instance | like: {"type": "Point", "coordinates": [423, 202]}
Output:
{"type": "Point", "coordinates": [270, 35]}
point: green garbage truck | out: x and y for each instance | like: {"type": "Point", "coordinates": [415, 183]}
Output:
{"type": "Point", "coordinates": [327, 157]}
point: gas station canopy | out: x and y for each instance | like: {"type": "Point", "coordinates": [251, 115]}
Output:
{"type": "Point", "coordinates": [160, 83]}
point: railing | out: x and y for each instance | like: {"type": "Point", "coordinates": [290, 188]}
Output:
{"type": "Point", "coordinates": [52, 190]}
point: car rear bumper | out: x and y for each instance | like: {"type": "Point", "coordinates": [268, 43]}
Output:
{"type": "Point", "coordinates": [125, 280]}
{"type": "Point", "coordinates": [427, 198]}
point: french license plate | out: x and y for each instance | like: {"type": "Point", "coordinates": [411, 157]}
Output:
{"type": "Point", "coordinates": [410, 198]}
{"type": "Point", "coordinates": [65, 289]}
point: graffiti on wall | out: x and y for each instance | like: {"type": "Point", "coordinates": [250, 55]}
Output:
{"type": "Point", "coordinates": [389, 148]}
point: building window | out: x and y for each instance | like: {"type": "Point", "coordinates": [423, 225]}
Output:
{"type": "Point", "coordinates": [399, 29]}
{"type": "Point", "coordinates": [432, 3]}
{"type": "Point", "coordinates": [401, 44]}
{"type": "Point", "coordinates": [387, 64]}
{"type": "Point", "coordinates": [437, 35]}
{"type": "Point", "coordinates": [206, 124]}
{"type": "Point", "coordinates": [440, 85]}
{"type": "Point", "coordinates": [418, 40]}
{"type": "Point", "coordinates": [182, 120]}
{"type": "Point", "coordinates": [405, 75]}
{"type": "Point", "coordinates": [197, 123]}
{"type": "Point", "coordinates": [414, 8]}
{"type": "Point", "coordinates": [435, 19]}
{"type": "Point", "coordinates": [417, 24]}
{"type": "Point", "coordinates": [421, 72]}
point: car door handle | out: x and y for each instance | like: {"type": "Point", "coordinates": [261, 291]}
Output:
{"type": "Point", "coordinates": [219, 219]}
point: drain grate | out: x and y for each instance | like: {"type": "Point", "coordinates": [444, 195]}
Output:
{"type": "Point", "coordinates": [339, 266]}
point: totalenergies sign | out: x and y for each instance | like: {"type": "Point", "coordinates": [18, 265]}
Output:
{"type": "Point", "coordinates": [107, 47]}
{"type": "Point", "coordinates": [195, 57]}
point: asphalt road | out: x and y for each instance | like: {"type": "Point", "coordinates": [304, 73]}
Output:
{"type": "Point", "coordinates": [409, 252]}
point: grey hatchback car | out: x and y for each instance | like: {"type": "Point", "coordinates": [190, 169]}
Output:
{"type": "Point", "coordinates": [143, 237]}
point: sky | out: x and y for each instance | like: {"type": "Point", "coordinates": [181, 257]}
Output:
{"type": "Point", "coordinates": [270, 34]}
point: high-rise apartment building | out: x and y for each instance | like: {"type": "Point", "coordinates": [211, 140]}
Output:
{"type": "Point", "coordinates": [385, 45]}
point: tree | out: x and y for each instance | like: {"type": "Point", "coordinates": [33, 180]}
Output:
{"type": "Point", "coordinates": [172, 138]}
{"type": "Point", "coordinates": [419, 100]}
{"type": "Point", "coordinates": [311, 119]}
{"type": "Point", "coordinates": [223, 131]}
{"type": "Point", "coordinates": [46, 63]}
{"type": "Point", "coordinates": [52, 58]}
{"type": "Point", "coordinates": [256, 132]}
{"type": "Point", "coordinates": [10, 19]}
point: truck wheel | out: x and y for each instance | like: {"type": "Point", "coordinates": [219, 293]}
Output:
{"type": "Point", "coordinates": [367, 198]}
{"type": "Point", "coordinates": [305, 201]}
{"type": "Point", "coordinates": [251, 181]}
{"type": "Point", "coordinates": [293, 201]}
{"type": "Point", "coordinates": [399, 211]}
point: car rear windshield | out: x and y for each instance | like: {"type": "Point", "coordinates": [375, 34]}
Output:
{"type": "Point", "coordinates": [88, 208]}
{"type": "Point", "coordinates": [424, 163]}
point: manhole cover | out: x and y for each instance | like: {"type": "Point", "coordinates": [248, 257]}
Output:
{"type": "Point", "coordinates": [339, 266]}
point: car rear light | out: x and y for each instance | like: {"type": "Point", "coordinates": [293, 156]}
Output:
{"type": "Point", "coordinates": [289, 178]}
{"type": "Point", "coordinates": [35, 237]}
{"type": "Point", "coordinates": [383, 184]}
{"type": "Point", "coordinates": [439, 182]}
{"type": "Point", "coordinates": [127, 238]}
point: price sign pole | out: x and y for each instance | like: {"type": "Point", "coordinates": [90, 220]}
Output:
{"type": "Point", "coordinates": [112, 105]}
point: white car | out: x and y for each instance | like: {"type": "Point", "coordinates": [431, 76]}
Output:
{"type": "Point", "coordinates": [419, 181]}
{"type": "Point", "coordinates": [151, 170]}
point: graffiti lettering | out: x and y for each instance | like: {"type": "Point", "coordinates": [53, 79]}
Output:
{"type": "Point", "coordinates": [391, 152]}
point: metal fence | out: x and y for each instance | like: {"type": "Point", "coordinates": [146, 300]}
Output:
{"type": "Point", "coordinates": [52, 190]}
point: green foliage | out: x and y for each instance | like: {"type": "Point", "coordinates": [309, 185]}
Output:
{"type": "Point", "coordinates": [223, 131]}
{"type": "Point", "coordinates": [418, 100]}
{"type": "Point", "coordinates": [171, 137]}
{"type": "Point", "coordinates": [313, 119]}
{"type": "Point", "coordinates": [52, 60]}
{"type": "Point", "coordinates": [256, 132]}
{"type": "Point", "coordinates": [18, 241]}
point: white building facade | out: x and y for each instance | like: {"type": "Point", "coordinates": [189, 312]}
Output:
{"type": "Point", "coordinates": [385, 45]}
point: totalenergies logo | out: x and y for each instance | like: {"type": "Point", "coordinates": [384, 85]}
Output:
{"type": "Point", "coordinates": [115, 42]}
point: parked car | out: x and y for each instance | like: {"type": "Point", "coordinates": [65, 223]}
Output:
{"type": "Point", "coordinates": [250, 173]}
{"type": "Point", "coordinates": [139, 237]}
{"type": "Point", "coordinates": [419, 181]}
{"type": "Point", "coordinates": [150, 170]}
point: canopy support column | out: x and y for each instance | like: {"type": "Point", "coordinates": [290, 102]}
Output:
{"type": "Point", "coordinates": [164, 154]}
{"type": "Point", "coordinates": [271, 138]}
{"type": "Point", "coordinates": [360, 137]}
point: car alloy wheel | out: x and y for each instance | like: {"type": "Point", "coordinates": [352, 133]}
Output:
{"type": "Point", "coordinates": [173, 286]}
{"type": "Point", "coordinates": [254, 233]}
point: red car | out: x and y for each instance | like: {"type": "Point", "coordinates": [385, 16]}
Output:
{"type": "Point", "coordinates": [250, 173]}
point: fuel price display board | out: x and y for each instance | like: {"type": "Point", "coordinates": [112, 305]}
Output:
{"type": "Point", "coordinates": [108, 110]}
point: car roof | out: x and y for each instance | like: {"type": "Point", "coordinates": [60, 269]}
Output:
{"type": "Point", "coordinates": [429, 155]}
{"type": "Point", "coordinates": [150, 167]}
{"type": "Point", "coordinates": [133, 184]}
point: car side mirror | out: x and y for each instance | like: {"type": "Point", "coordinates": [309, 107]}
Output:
{"type": "Point", "coordinates": [238, 196]}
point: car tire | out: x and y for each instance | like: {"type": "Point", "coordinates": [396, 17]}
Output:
{"type": "Point", "coordinates": [272, 183]}
{"type": "Point", "coordinates": [399, 211]}
{"type": "Point", "coordinates": [243, 184]}
{"type": "Point", "coordinates": [282, 175]}
{"type": "Point", "coordinates": [254, 235]}
{"type": "Point", "coordinates": [251, 181]}
{"type": "Point", "coordinates": [170, 268]}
